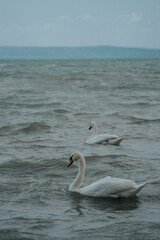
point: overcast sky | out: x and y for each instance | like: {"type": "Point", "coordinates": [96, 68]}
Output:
{"type": "Point", "coordinates": [129, 23]}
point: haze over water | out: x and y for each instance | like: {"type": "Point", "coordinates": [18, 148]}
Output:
{"type": "Point", "coordinates": [45, 110]}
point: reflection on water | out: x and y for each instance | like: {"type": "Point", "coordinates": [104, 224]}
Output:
{"type": "Point", "coordinates": [79, 202]}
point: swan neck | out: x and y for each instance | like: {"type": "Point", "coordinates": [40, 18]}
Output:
{"type": "Point", "coordinates": [80, 175]}
{"type": "Point", "coordinates": [94, 133]}
{"type": "Point", "coordinates": [95, 129]}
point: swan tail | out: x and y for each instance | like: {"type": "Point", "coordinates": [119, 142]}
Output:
{"type": "Point", "coordinates": [117, 141]}
{"type": "Point", "coordinates": [140, 186]}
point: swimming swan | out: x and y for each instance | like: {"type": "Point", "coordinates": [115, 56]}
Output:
{"type": "Point", "coordinates": [102, 138]}
{"type": "Point", "coordinates": [105, 187]}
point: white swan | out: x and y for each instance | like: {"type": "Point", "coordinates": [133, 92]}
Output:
{"type": "Point", "coordinates": [102, 138]}
{"type": "Point", "coordinates": [104, 187]}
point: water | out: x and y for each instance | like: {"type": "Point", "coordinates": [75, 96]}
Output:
{"type": "Point", "coordinates": [46, 107]}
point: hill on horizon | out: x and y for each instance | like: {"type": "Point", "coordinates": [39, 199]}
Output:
{"type": "Point", "coordinates": [76, 52]}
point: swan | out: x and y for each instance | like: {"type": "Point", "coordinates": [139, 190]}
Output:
{"type": "Point", "coordinates": [105, 187]}
{"type": "Point", "coordinates": [102, 138]}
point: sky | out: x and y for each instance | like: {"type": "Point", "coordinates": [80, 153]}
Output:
{"type": "Point", "coordinates": [126, 23]}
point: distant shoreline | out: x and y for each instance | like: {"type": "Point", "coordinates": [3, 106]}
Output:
{"type": "Point", "coordinates": [88, 52]}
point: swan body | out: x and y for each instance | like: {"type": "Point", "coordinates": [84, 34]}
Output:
{"type": "Point", "coordinates": [105, 187]}
{"type": "Point", "coordinates": [102, 138]}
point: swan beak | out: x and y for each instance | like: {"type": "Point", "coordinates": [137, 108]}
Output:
{"type": "Point", "coordinates": [71, 161]}
{"type": "Point", "coordinates": [90, 128]}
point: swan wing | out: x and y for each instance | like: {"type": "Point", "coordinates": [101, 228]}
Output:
{"type": "Point", "coordinates": [108, 186]}
{"type": "Point", "coordinates": [116, 141]}
{"type": "Point", "coordinates": [101, 138]}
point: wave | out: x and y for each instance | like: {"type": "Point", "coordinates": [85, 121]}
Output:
{"type": "Point", "coordinates": [5, 128]}
{"type": "Point", "coordinates": [140, 103]}
{"type": "Point", "coordinates": [23, 127]}
{"type": "Point", "coordinates": [36, 165]}
{"type": "Point", "coordinates": [134, 119]}
{"type": "Point", "coordinates": [141, 120]}
{"type": "Point", "coordinates": [110, 156]}
{"type": "Point", "coordinates": [34, 126]}
{"type": "Point", "coordinates": [12, 101]}
{"type": "Point", "coordinates": [61, 111]}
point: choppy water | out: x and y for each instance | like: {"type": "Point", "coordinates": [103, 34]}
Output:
{"type": "Point", "coordinates": [45, 111]}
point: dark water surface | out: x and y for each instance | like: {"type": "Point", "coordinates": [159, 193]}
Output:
{"type": "Point", "coordinates": [45, 111]}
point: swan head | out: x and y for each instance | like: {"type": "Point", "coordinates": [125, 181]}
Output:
{"type": "Point", "coordinates": [74, 157]}
{"type": "Point", "coordinates": [92, 124]}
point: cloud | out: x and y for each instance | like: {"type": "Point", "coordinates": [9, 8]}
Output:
{"type": "Point", "coordinates": [87, 18]}
{"type": "Point", "coordinates": [131, 18]}
{"type": "Point", "coordinates": [29, 28]}
{"type": "Point", "coordinates": [65, 18]}
{"type": "Point", "coordinates": [134, 17]}
{"type": "Point", "coordinates": [91, 19]}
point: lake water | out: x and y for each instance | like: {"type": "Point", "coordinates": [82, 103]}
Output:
{"type": "Point", "coordinates": [45, 110]}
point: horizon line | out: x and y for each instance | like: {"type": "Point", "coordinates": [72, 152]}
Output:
{"type": "Point", "coordinates": [85, 46]}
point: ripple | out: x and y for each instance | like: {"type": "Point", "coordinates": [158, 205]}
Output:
{"type": "Point", "coordinates": [33, 126]}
